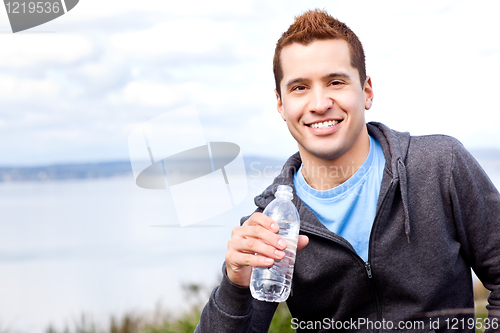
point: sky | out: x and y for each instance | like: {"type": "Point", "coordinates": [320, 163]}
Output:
{"type": "Point", "coordinates": [73, 89]}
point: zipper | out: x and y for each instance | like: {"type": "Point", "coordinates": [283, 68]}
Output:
{"type": "Point", "coordinates": [368, 269]}
{"type": "Point", "coordinates": [367, 264]}
{"type": "Point", "coordinates": [369, 273]}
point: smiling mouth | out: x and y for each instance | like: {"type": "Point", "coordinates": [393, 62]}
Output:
{"type": "Point", "coordinates": [324, 124]}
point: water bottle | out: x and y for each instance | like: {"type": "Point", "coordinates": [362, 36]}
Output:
{"type": "Point", "coordinates": [273, 284]}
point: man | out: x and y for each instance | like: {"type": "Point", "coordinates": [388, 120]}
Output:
{"type": "Point", "coordinates": [392, 223]}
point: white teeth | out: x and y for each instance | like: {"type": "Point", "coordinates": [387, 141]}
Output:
{"type": "Point", "coordinates": [324, 124]}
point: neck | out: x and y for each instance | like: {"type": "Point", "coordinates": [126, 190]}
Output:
{"type": "Point", "coordinates": [324, 174]}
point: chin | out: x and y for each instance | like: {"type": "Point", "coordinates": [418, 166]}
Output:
{"type": "Point", "coordinates": [326, 154]}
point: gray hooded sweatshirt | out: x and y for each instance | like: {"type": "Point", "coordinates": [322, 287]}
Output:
{"type": "Point", "coordinates": [438, 216]}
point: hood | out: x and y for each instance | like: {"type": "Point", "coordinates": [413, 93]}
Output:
{"type": "Point", "coordinates": [395, 146]}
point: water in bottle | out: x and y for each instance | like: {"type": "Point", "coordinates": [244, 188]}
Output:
{"type": "Point", "coordinates": [272, 284]}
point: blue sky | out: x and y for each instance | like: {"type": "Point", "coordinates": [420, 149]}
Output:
{"type": "Point", "coordinates": [73, 89]}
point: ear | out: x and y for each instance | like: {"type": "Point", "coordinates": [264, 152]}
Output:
{"type": "Point", "coordinates": [279, 105]}
{"type": "Point", "coordinates": [368, 92]}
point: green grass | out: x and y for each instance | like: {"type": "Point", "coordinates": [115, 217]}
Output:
{"type": "Point", "coordinates": [480, 298]}
{"type": "Point", "coordinates": [282, 320]}
{"type": "Point", "coordinates": [161, 321]}
{"type": "Point", "coordinates": [186, 323]}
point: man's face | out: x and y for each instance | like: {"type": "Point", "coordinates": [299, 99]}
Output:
{"type": "Point", "coordinates": [323, 101]}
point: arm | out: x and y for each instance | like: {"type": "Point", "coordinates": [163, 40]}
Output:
{"type": "Point", "coordinates": [476, 209]}
{"type": "Point", "coordinates": [231, 307]}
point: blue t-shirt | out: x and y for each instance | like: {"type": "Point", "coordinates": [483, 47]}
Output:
{"type": "Point", "coordinates": [349, 208]}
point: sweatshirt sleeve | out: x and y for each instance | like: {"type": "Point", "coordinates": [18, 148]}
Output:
{"type": "Point", "coordinates": [231, 308]}
{"type": "Point", "coordinates": [476, 209]}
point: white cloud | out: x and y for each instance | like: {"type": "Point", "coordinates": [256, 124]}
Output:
{"type": "Point", "coordinates": [433, 67]}
{"type": "Point", "coordinates": [429, 75]}
{"type": "Point", "coordinates": [35, 118]}
{"type": "Point", "coordinates": [97, 9]}
{"type": "Point", "coordinates": [420, 8]}
{"type": "Point", "coordinates": [29, 50]}
{"type": "Point", "coordinates": [71, 135]}
{"type": "Point", "coordinates": [157, 94]}
{"type": "Point", "coordinates": [13, 88]}
{"type": "Point", "coordinates": [187, 36]}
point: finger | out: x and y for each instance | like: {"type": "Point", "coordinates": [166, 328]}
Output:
{"type": "Point", "coordinates": [247, 259]}
{"type": "Point", "coordinates": [251, 245]}
{"type": "Point", "coordinates": [303, 241]}
{"type": "Point", "coordinates": [247, 232]}
{"type": "Point", "coordinates": [262, 220]}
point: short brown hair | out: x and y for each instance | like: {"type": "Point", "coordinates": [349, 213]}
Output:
{"type": "Point", "coordinates": [316, 25]}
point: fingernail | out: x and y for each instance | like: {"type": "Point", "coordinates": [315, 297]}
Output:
{"type": "Point", "coordinates": [274, 226]}
{"type": "Point", "coordinates": [282, 243]}
{"type": "Point", "coordinates": [269, 261]}
{"type": "Point", "coordinates": [279, 253]}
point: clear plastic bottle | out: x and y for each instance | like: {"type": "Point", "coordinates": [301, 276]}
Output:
{"type": "Point", "coordinates": [272, 284]}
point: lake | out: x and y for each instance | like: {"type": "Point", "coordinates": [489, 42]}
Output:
{"type": "Point", "coordinates": [102, 247]}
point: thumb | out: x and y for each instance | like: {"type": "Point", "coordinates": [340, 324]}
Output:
{"type": "Point", "coordinates": [303, 241]}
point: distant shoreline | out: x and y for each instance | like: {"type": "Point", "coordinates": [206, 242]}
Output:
{"type": "Point", "coordinates": [488, 158]}
{"type": "Point", "coordinates": [103, 170]}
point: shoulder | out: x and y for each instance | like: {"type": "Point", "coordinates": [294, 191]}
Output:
{"type": "Point", "coordinates": [435, 151]}
{"type": "Point", "coordinates": [435, 145]}
{"type": "Point", "coordinates": [415, 148]}
{"type": "Point", "coordinates": [441, 158]}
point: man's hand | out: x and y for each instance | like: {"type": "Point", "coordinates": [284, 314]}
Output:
{"type": "Point", "coordinates": [256, 235]}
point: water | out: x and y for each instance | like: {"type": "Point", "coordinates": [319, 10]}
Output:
{"type": "Point", "coordinates": [101, 247]}
{"type": "Point", "coordinates": [273, 284]}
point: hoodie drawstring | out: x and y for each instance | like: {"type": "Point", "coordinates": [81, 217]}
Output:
{"type": "Point", "coordinates": [404, 194]}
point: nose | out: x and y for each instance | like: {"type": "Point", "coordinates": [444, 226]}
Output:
{"type": "Point", "coordinates": [320, 101]}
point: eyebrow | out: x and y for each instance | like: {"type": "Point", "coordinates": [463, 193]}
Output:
{"type": "Point", "coordinates": [326, 77]}
{"type": "Point", "coordinates": [337, 75]}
